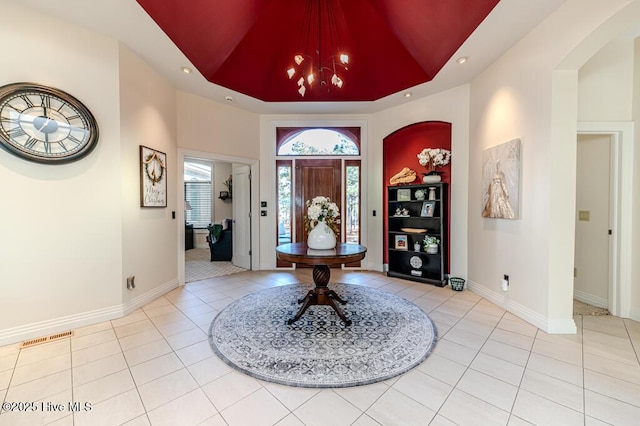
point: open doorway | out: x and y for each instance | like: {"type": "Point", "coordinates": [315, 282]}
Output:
{"type": "Point", "coordinates": [592, 271]}
{"type": "Point", "coordinates": [210, 195]}
{"type": "Point", "coordinates": [209, 220]}
{"type": "Point", "coordinates": [617, 139]}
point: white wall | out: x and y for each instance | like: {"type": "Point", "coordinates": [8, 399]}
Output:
{"type": "Point", "coordinates": [60, 230]}
{"type": "Point", "coordinates": [222, 208]}
{"type": "Point", "coordinates": [207, 126]}
{"type": "Point", "coordinates": [148, 118]}
{"type": "Point", "coordinates": [635, 205]}
{"type": "Point", "coordinates": [605, 83]}
{"type": "Point", "coordinates": [526, 94]}
{"type": "Point", "coordinates": [71, 233]}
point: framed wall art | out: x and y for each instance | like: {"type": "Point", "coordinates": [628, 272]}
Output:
{"type": "Point", "coordinates": [401, 242]}
{"type": "Point", "coordinates": [153, 178]}
{"type": "Point", "coordinates": [501, 181]}
{"type": "Point", "coordinates": [404, 194]}
{"type": "Point", "coordinates": [428, 209]}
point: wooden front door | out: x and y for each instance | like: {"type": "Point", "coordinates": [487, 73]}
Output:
{"type": "Point", "coordinates": [314, 178]}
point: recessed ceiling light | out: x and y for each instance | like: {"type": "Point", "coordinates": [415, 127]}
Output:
{"type": "Point", "coordinates": [462, 59]}
{"type": "Point", "coordinates": [408, 94]}
{"type": "Point", "coordinates": [187, 70]}
{"type": "Point", "coordinates": [228, 98]}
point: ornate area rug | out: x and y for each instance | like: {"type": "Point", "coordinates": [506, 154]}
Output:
{"type": "Point", "coordinates": [388, 337]}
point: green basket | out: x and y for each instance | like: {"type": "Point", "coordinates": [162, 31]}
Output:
{"type": "Point", "coordinates": [457, 284]}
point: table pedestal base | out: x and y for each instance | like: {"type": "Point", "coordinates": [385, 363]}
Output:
{"type": "Point", "coordinates": [321, 295]}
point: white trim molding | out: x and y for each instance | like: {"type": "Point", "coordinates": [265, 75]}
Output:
{"type": "Point", "coordinates": [590, 299]}
{"type": "Point", "coordinates": [551, 326]}
{"type": "Point", "coordinates": [70, 322]}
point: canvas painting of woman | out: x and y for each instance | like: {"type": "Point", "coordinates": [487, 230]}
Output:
{"type": "Point", "coordinates": [500, 181]}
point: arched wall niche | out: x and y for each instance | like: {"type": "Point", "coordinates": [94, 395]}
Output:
{"type": "Point", "coordinates": [401, 148]}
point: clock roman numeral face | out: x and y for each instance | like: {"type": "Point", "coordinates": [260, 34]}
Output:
{"type": "Point", "coordinates": [45, 125]}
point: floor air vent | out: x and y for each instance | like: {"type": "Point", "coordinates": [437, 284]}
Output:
{"type": "Point", "coordinates": [41, 340]}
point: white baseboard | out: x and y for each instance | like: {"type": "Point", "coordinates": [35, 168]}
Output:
{"type": "Point", "coordinates": [552, 326]}
{"type": "Point", "coordinates": [70, 322]}
{"type": "Point", "coordinates": [590, 299]}
{"type": "Point", "coordinates": [149, 296]}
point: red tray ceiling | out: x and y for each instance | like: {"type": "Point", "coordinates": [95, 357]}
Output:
{"type": "Point", "coordinates": [247, 45]}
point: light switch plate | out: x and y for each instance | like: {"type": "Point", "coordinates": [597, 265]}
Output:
{"type": "Point", "coordinates": [584, 215]}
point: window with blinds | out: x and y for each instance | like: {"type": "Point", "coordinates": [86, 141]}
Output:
{"type": "Point", "coordinates": [198, 196]}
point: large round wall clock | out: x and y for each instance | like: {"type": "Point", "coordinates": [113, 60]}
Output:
{"type": "Point", "coordinates": [44, 124]}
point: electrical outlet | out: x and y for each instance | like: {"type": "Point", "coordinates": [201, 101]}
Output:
{"type": "Point", "coordinates": [505, 282]}
{"type": "Point", "coordinates": [131, 282]}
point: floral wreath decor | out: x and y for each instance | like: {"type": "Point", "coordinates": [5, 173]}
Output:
{"type": "Point", "coordinates": [322, 209]}
{"type": "Point", "coordinates": [434, 157]}
{"type": "Point", "coordinates": [154, 168]}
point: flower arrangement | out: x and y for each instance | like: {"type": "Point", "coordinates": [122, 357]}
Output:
{"type": "Point", "coordinates": [434, 157]}
{"type": "Point", "coordinates": [322, 209]}
{"type": "Point", "coordinates": [420, 194]}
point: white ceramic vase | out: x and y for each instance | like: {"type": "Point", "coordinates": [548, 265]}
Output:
{"type": "Point", "coordinates": [321, 237]}
{"type": "Point", "coordinates": [431, 178]}
{"type": "Point", "coordinates": [432, 249]}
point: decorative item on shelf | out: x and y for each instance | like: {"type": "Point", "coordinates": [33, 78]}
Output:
{"type": "Point", "coordinates": [431, 244]}
{"type": "Point", "coordinates": [401, 242]}
{"type": "Point", "coordinates": [428, 209]}
{"type": "Point", "coordinates": [431, 158]}
{"type": "Point", "coordinates": [224, 195]}
{"type": "Point", "coordinates": [420, 194]}
{"type": "Point", "coordinates": [403, 194]}
{"type": "Point", "coordinates": [322, 223]}
{"type": "Point", "coordinates": [406, 175]}
{"type": "Point", "coordinates": [416, 263]}
{"type": "Point", "coordinates": [432, 193]}
{"type": "Point", "coordinates": [318, 34]}
{"type": "Point", "coordinates": [401, 212]}
{"type": "Point", "coordinates": [229, 184]}
{"type": "Point", "coordinates": [416, 246]}
{"type": "Point", "coordinates": [414, 230]}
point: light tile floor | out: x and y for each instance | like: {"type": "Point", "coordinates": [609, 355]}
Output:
{"type": "Point", "coordinates": [489, 367]}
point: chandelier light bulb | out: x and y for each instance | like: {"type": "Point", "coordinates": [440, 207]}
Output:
{"type": "Point", "coordinates": [319, 43]}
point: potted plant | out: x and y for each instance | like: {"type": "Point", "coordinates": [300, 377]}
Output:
{"type": "Point", "coordinates": [431, 244]}
{"type": "Point", "coordinates": [420, 194]}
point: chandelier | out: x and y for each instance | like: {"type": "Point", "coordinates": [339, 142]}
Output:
{"type": "Point", "coordinates": [318, 59]}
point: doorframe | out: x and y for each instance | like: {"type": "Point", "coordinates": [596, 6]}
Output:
{"type": "Point", "coordinates": [621, 196]}
{"type": "Point", "coordinates": [254, 166]}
